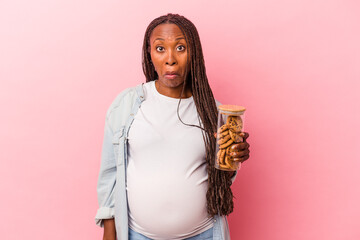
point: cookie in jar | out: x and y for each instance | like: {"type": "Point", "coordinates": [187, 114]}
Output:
{"type": "Point", "coordinates": [229, 128]}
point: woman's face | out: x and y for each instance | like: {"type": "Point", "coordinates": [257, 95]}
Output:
{"type": "Point", "coordinates": [169, 55]}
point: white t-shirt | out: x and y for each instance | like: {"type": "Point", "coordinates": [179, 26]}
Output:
{"type": "Point", "coordinates": [166, 175]}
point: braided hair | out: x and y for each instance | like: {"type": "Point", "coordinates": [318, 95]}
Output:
{"type": "Point", "coordinates": [219, 195]}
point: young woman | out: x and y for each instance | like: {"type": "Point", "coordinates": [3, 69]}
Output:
{"type": "Point", "coordinates": [157, 177]}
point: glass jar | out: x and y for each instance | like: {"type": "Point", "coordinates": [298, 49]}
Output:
{"type": "Point", "coordinates": [230, 125]}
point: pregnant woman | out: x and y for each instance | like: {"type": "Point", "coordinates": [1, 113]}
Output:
{"type": "Point", "coordinates": [157, 177]}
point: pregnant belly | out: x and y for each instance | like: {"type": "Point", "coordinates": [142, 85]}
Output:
{"type": "Point", "coordinates": [166, 205]}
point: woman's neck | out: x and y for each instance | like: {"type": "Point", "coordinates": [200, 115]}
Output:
{"type": "Point", "coordinates": [173, 92]}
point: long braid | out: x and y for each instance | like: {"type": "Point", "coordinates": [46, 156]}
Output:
{"type": "Point", "coordinates": [219, 195]}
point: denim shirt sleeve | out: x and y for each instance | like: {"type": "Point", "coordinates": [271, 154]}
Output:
{"type": "Point", "coordinates": [107, 178]}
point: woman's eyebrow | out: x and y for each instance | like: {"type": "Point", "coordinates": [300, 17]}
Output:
{"type": "Point", "coordinates": [164, 39]}
{"type": "Point", "coordinates": [159, 39]}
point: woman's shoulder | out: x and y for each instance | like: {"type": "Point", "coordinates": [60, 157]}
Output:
{"type": "Point", "coordinates": [126, 97]}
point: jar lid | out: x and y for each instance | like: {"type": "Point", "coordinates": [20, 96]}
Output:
{"type": "Point", "coordinates": [232, 108]}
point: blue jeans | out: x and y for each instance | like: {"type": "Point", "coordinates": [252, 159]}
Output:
{"type": "Point", "coordinates": [207, 235]}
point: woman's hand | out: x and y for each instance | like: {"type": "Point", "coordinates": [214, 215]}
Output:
{"type": "Point", "coordinates": [240, 151]}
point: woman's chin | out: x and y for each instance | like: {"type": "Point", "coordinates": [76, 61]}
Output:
{"type": "Point", "coordinates": [171, 83]}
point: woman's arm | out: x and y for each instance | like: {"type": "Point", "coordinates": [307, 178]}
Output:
{"type": "Point", "coordinates": [109, 229]}
{"type": "Point", "coordinates": [106, 179]}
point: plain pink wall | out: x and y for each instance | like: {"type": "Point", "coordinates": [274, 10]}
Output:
{"type": "Point", "coordinates": [293, 64]}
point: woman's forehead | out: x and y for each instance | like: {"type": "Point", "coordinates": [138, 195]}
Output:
{"type": "Point", "coordinates": [166, 31]}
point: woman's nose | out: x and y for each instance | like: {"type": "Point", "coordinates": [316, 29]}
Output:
{"type": "Point", "coordinates": [171, 59]}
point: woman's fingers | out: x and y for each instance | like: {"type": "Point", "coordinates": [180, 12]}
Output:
{"type": "Point", "coordinates": [239, 146]}
{"type": "Point", "coordinates": [242, 159]}
{"type": "Point", "coordinates": [239, 154]}
{"type": "Point", "coordinates": [244, 135]}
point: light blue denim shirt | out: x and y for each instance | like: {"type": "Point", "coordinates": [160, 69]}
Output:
{"type": "Point", "coordinates": [111, 186]}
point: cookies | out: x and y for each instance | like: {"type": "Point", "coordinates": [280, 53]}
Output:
{"type": "Point", "coordinates": [227, 144]}
{"type": "Point", "coordinates": [223, 134]}
{"type": "Point", "coordinates": [227, 136]}
{"type": "Point", "coordinates": [235, 136]}
{"type": "Point", "coordinates": [225, 161]}
{"type": "Point", "coordinates": [228, 150]}
{"type": "Point", "coordinates": [234, 123]}
{"type": "Point", "coordinates": [224, 139]}
{"type": "Point", "coordinates": [229, 162]}
{"type": "Point", "coordinates": [223, 128]}
{"type": "Point", "coordinates": [224, 166]}
{"type": "Point", "coordinates": [221, 156]}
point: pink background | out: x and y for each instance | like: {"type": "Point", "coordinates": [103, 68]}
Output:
{"type": "Point", "coordinates": [293, 64]}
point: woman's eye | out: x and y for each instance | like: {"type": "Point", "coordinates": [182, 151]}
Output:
{"type": "Point", "coordinates": [181, 48]}
{"type": "Point", "coordinates": [159, 49]}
